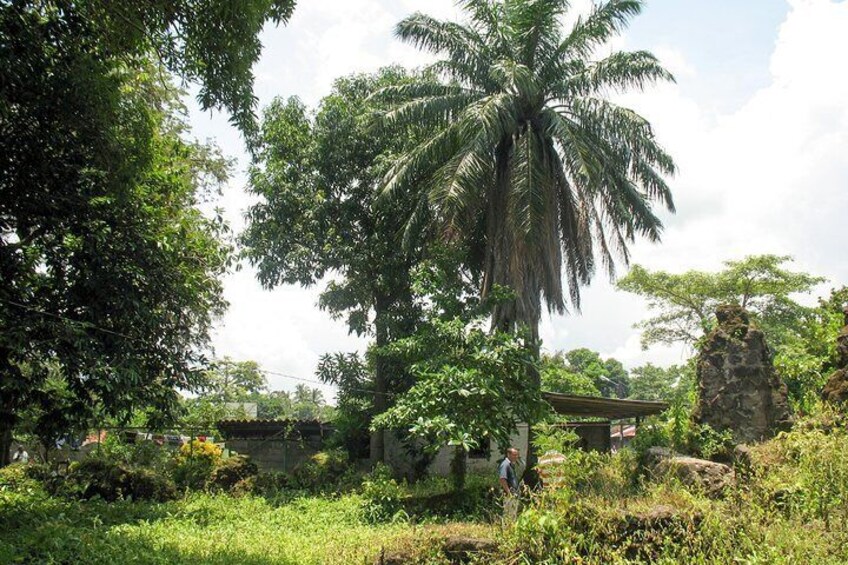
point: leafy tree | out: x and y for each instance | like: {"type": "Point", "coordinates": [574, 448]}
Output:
{"type": "Point", "coordinates": [205, 41]}
{"type": "Point", "coordinates": [582, 371]}
{"type": "Point", "coordinates": [809, 357]}
{"type": "Point", "coordinates": [673, 384]}
{"type": "Point", "coordinates": [319, 214]}
{"type": "Point", "coordinates": [525, 159]}
{"type": "Point", "coordinates": [686, 302]}
{"type": "Point", "coordinates": [232, 381]}
{"type": "Point", "coordinates": [109, 271]}
{"type": "Point", "coordinates": [354, 383]}
{"type": "Point", "coordinates": [469, 386]}
{"type": "Point", "coordinates": [558, 376]}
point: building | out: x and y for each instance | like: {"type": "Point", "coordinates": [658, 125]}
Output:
{"type": "Point", "coordinates": [280, 445]}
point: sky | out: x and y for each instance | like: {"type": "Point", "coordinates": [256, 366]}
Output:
{"type": "Point", "coordinates": [757, 122]}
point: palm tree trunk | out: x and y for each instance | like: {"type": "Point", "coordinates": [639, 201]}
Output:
{"type": "Point", "coordinates": [378, 440]}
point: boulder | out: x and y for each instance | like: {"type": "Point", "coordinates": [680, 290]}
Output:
{"type": "Point", "coordinates": [709, 477]}
{"type": "Point", "coordinates": [836, 389]}
{"type": "Point", "coordinates": [739, 389]}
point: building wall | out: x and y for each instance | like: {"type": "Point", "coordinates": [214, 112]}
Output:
{"type": "Point", "coordinates": [397, 458]}
{"type": "Point", "coordinates": [275, 454]}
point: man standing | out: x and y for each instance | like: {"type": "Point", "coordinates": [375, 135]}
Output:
{"type": "Point", "coordinates": [509, 483]}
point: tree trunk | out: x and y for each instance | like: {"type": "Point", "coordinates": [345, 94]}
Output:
{"type": "Point", "coordinates": [7, 423]}
{"type": "Point", "coordinates": [458, 467]}
{"type": "Point", "coordinates": [378, 437]}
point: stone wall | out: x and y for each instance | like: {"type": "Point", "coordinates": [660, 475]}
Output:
{"type": "Point", "coordinates": [738, 387]}
{"type": "Point", "coordinates": [836, 389]}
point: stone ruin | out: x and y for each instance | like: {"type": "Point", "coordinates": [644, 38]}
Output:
{"type": "Point", "coordinates": [836, 389]}
{"type": "Point", "coordinates": [739, 389]}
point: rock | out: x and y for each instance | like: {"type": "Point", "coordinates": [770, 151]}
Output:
{"type": "Point", "coordinates": [743, 456]}
{"type": "Point", "coordinates": [836, 389]}
{"type": "Point", "coordinates": [461, 549]}
{"type": "Point", "coordinates": [394, 558]}
{"type": "Point", "coordinates": [708, 476]}
{"type": "Point", "coordinates": [739, 388]}
{"type": "Point", "coordinates": [655, 455]}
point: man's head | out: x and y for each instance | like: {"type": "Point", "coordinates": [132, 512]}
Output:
{"type": "Point", "coordinates": [20, 448]}
{"type": "Point", "coordinates": [512, 454]}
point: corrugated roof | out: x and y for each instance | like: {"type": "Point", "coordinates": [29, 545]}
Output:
{"type": "Point", "coordinates": [612, 408]}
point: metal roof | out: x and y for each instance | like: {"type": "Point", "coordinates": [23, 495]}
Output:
{"type": "Point", "coordinates": [267, 428]}
{"type": "Point", "coordinates": [612, 408]}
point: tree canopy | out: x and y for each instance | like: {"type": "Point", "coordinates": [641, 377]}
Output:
{"type": "Point", "coordinates": [110, 273]}
{"type": "Point", "coordinates": [686, 302]}
{"type": "Point", "coordinates": [525, 157]}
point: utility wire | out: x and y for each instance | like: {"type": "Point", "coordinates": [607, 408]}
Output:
{"type": "Point", "coordinates": [91, 326]}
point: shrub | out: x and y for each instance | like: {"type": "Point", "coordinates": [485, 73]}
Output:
{"type": "Point", "coordinates": [110, 480]}
{"type": "Point", "coordinates": [194, 464]}
{"type": "Point", "coordinates": [15, 477]}
{"type": "Point", "coordinates": [271, 483]}
{"type": "Point", "coordinates": [382, 496]}
{"type": "Point", "coordinates": [140, 453]}
{"type": "Point", "coordinates": [230, 471]}
{"type": "Point", "coordinates": [325, 469]}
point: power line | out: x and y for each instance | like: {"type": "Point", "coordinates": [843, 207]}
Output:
{"type": "Point", "coordinates": [319, 382]}
{"type": "Point", "coordinates": [91, 326]}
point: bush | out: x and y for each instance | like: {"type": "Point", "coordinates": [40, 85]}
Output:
{"type": "Point", "coordinates": [140, 453]}
{"type": "Point", "coordinates": [110, 480]}
{"type": "Point", "coordinates": [231, 471]}
{"type": "Point", "coordinates": [382, 496]}
{"type": "Point", "coordinates": [324, 470]}
{"type": "Point", "coordinates": [194, 464]}
{"type": "Point", "coordinates": [15, 477]}
{"type": "Point", "coordinates": [271, 484]}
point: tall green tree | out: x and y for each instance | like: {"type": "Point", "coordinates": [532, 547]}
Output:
{"type": "Point", "coordinates": [582, 371]}
{"type": "Point", "coordinates": [674, 384]}
{"type": "Point", "coordinates": [527, 159]}
{"type": "Point", "coordinates": [319, 215]}
{"type": "Point", "coordinates": [110, 275]}
{"type": "Point", "coordinates": [231, 381]}
{"type": "Point", "coordinates": [213, 43]}
{"type": "Point", "coordinates": [686, 302]}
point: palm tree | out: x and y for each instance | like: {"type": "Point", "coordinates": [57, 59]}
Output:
{"type": "Point", "coordinates": [526, 155]}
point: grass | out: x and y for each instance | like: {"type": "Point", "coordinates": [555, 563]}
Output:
{"type": "Point", "coordinates": [790, 505]}
{"type": "Point", "coordinates": [208, 528]}
{"type": "Point", "coordinates": [201, 528]}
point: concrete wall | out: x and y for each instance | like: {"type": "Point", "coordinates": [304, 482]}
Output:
{"type": "Point", "coordinates": [397, 458]}
{"type": "Point", "coordinates": [275, 454]}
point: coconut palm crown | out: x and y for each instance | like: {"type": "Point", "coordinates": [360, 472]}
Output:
{"type": "Point", "coordinates": [526, 155]}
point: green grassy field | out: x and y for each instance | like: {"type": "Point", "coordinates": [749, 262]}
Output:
{"type": "Point", "coordinates": [201, 528]}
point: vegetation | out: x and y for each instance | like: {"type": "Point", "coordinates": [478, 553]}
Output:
{"type": "Point", "coordinates": [686, 302]}
{"type": "Point", "coordinates": [98, 200]}
{"type": "Point", "coordinates": [430, 204]}
{"type": "Point", "coordinates": [524, 158]}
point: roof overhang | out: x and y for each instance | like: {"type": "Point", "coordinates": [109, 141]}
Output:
{"type": "Point", "coordinates": [599, 407]}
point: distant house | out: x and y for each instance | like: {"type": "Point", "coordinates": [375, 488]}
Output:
{"type": "Point", "coordinates": [275, 445]}
{"type": "Point", "coordinates": [594, 435]}
{"type": "Point", "coordinates": [280, 445]}
{"type": "Point", "coordinates": [621, 436]}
